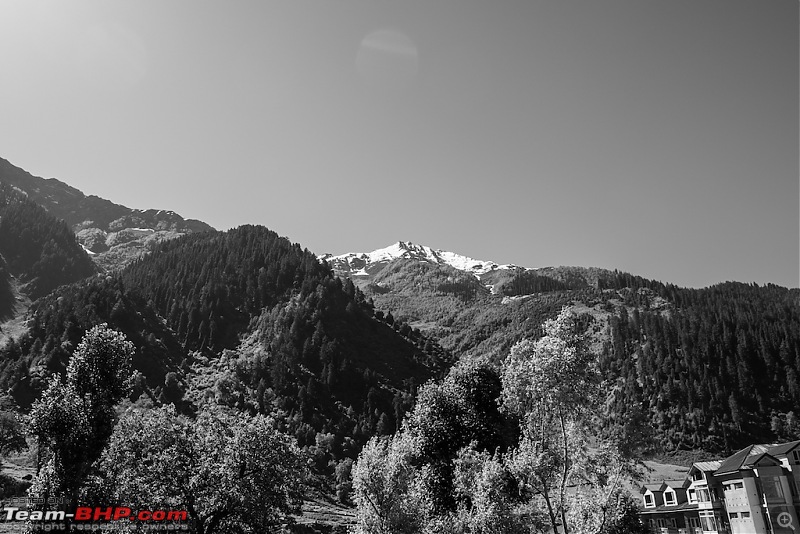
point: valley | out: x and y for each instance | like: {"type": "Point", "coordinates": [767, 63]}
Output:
{"type": "Point", "coordinates": [335, 351]}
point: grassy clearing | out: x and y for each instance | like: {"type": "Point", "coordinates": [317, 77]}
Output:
{"type": "Point", "coordinates": [659, 471]}
{"type": "Point", "coordinates": [15, 325]}
{"type": "Point", "coordinates": [321, 515]}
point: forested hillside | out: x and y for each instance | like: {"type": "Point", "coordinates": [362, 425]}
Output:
{"type": "Point", "coordinates": [718, 371]}
{"type": "Point", "coordinates": [37, 248]}
{"type": "Point", "coordinates": [58, 322]}
{"type": "Point", "coordinates": [7, 299]}
{"type": "Point", "coordinates": [207, 286]}
{"type": "Point", "coordinates": [247, 320]}
{"type": "Point", "coordinates": [459, 311]}
{"type": "Point", "coordinates": [316, 349]}
{"type": "Point", "coordinates": [711, 369]}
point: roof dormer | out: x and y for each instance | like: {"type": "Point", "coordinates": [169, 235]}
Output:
{"type": "Point", "coordinates": [649, 499]}
{"type": "Point", "coordinates": [700, 471]}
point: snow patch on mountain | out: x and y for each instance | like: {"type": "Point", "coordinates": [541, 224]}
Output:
{"type": "Point", "coordinates": [366, 263]}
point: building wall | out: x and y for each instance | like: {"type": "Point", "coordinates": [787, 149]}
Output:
{"type": "Point", "coordinates": [775, 486]}
{"type": "Point", "coordinates": [741, 501]}
{"type": "Point", "coordinates": [658, 498]}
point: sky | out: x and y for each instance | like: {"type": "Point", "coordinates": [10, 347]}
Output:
{"type": "Point", "coordinates": [658, 137]}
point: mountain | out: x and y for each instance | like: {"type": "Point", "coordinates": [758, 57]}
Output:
{"type": "Point", "coordinates": [38, 249]}
{"type": "Point", "coordinates": [336, 349]}
{"type": "Point", "coordinates": [38, 253]}
{"type": "Point", "coordinates": [245, 319]}
{"type": "Point", "coordinates": [111, 233]}
{"type": "Point", "coordinates": [369, 263]}
{"type": "Point", "coordinates": [473, 307]}
{"type": "Point", "coordinates": [506, 279]}
{"type": "Point", "coordinates": [709, 369]}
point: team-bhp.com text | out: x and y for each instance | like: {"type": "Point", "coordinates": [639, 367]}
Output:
{"type": "Point", "coordinates": [87, 513]}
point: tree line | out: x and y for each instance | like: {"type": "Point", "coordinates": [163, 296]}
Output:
{"type": "Point", "coordinates": [714, 370]}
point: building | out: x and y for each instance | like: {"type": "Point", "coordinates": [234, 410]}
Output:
{"type": "Point", "coordinates": [754, 491]}
{"type": "Point", "coordinates": [706, 491]}
{"type": "Point", "coordinates": [667, 507]}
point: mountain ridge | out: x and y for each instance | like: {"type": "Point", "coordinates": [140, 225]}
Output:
{"type": "Point", "coordinates": [111, 233]}
{"type": "Point", "coordinates": [367, 263]}
{"type": "Point", "coordinates": [65, 201]}
{"type": "Point", "coordinates": [674, 351]}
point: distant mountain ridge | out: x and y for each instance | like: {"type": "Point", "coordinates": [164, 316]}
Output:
{"type": "Point", "coordinates": [369, 268]}
{"type": "Point", "coordinates": [112, 233]}
{"type": "Point", "coordinates": [369, 263]}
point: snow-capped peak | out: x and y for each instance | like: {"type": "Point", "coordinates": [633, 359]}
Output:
{"type": "Point", "coordinates": [359, 263]}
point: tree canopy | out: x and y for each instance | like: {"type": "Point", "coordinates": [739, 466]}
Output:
{"type": "Point", "coordinates": [460, 463]}
{"type": "Point", "coordinates": [75, 416]}
{"type": "Point", "coordinates": [230, 472]}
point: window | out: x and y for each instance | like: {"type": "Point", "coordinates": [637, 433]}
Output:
{"type": "Point", "coordinates": [662, 523]}
{"type": "Point", "coordinates": [694, 522]}
{"type": "Point", "coordinates": [793, 486]}
{"type": "Point", "coordinates": [734, 515]}
{"type": "Point", "coordinates": [692, 495]}
{"type": "Point", "coordinates": [707, 521]}
{"type": "Point", "coordinates": [698, 475]}
{"type": "Point", "coordinates": [771, 486]}
{"type": "Point", "coordinates": [738, 485]}
{"type": "Point", "coordinates": [745, 515]}
{"type": "Point", "coordinates": [669, 498]}
{"type": "Point", "coordinates": [796, 455]}
{"type": "Point", "coordinates": [648, 500]}
{"type": "Point", "coordinates": [703, 495]}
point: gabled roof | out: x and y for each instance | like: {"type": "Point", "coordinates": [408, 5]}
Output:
{"type": "Point", "coordinates": [783, 449]}
{"type": "Point", "coordinates": [760, 448]}
{"type": "Point", "coordinates": [712, 465]}
{"type": "Point", "coordinates": [756, 460]}
{"type": "Point", "coordinates": [653, 486]}
{"type": "Point", "coordinates": [734, 462]}
{"type": "Point", "coordinates": [664, 485]}
{"type": "Point", "coordinates": [678, 484]}
{"type": "Point", "coordinates": [745, 459]}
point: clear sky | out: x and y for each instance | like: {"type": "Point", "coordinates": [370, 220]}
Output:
{"type": "Point", "coordinates": [659, 137]}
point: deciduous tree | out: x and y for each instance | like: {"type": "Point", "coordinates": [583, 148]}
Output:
{"type": "Point", "coordinates": [12, 435]}
{"type": "Point", "coordinates": [231, 473]}
{"type": "Point", "coordinates": [75, 416]}
{"type": "Point", "coordinates": [384, 487]}
{"type": "Point", "coordinates": [552, 384]}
